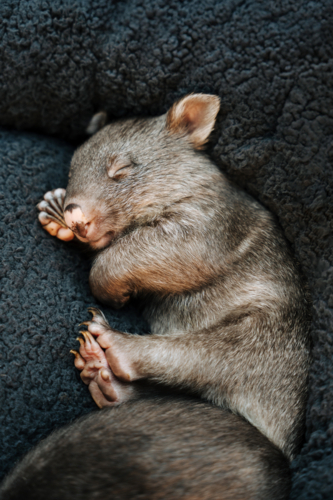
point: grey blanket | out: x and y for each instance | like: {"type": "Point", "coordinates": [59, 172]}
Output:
{"type": "Point", "coordinates": [60, 61]}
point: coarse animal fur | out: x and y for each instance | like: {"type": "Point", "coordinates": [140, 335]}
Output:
{"type": "Point", "coordinates": [153, 449]}
{"type": "Point", "coordinates": [227, 307]}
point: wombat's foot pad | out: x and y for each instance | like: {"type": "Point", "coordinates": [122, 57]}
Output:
{"type": "Point", "coordinates": [52, 214]}
{"type": "Point", "coordinates": [105, 388]}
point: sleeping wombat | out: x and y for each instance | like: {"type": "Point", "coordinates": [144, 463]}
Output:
{"type": "Point", "coordinates": [228, 315]}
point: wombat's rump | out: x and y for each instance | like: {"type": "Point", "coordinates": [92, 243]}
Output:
{"type": "Point", "coordinates": [153, 449]}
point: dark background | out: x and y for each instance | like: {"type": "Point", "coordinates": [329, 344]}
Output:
{"type": "Point", "coordinates": [61, 61]}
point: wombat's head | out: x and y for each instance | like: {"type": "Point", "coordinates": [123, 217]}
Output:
{"type": "Point", "coordinates": [131, 170]}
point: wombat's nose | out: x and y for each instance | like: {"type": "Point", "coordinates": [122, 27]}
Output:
{"type": "Point", "coordinates": [76, 220]}
{"type": "Point", "coordinates": [71, 207]}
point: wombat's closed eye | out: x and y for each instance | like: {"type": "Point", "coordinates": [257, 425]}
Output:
{"type": "Point", "coordinates": [118, 166]}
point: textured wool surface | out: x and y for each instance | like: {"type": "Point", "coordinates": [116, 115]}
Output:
{"type": "Point", "coordinates": [60, 61]}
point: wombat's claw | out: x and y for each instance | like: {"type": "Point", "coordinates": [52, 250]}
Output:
{"type": "Point", "coordinates": [53, 205]}
{"type": "Point", "coordinates": [79, 362]}
{"type": "Point", "coordinates": [51, 214]}
{"type": "Point", "coordinates": [56, 199]}
{"type": "Point", "coordinates": [81, 341]}
{"type": "Point", "coordinates": [76, 354]}
{"type": "Point", "coordinates": [104, 387]}
{"type": "Point", "coordinates": [87, 336]}
{"type": "Point", "coordinates": [97, 317]}
{"type": "Point", "coordinates": [85, 323]}
{"type": "Point", "coordinates": [96, 312]}
{"type": "Point", "coordinates": [98, 324]}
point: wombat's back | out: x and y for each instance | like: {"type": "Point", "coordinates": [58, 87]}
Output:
{"type": "Point", "coordinates": [153, 449]}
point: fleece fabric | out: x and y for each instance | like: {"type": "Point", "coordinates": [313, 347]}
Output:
{"type": "Point", "coordinates": [271, 62]}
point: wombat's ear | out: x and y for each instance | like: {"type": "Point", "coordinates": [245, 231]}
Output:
{"type": "Point", "coordinates": [194, 116]}
{"type": "Point", "coordinates": [97, 122]}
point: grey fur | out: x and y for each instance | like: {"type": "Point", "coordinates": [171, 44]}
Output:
{"type": "Point", "coordinates": [228, 310]}
{"type": "Point", "coordinates": [115, 455]}
{"type": "Point", "coordinates": [224, 298]}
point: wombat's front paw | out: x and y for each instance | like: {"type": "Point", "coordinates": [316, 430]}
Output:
{"type": "Point", "coordinates": [105, 388]}
{"type": "Point", "coordinates": [51, 214]}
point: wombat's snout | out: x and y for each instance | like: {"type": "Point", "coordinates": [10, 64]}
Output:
{"type": "Point", "coordinates": [76, 220]}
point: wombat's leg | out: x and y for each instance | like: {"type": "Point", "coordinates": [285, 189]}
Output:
{"type": "Point", "coordinates": [104, 387]}
{"type": "Point", "coordinates": [132, 357]}
{"type": "Point", "coordinates": [148, 261]}
{"type": "Point", "coordinates": [51, 214]}
{"type": "Point", "coordinates": [212, 362]}
{"type": "Point", "coordinates": [222, 363]}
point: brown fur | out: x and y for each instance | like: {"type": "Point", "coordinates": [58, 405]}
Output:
{"type": "Point", "coordinates": [115, 455]}
{"type": "Point", "coordinates": [226, 303]}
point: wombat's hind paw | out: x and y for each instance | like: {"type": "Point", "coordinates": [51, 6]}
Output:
{"type": "Point", "coordinates": [51, 214]}
{"type": "Point", "coordinates": [112, 341]}
{"type": "Point", "coordinates": [104, 387]}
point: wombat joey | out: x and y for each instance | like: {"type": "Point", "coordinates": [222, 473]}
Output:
{"type": "Point", "coordinates": [226, 304]}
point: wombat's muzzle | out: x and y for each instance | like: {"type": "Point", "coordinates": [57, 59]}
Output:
{"type": "Point", "coordinates": [76, 220]}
